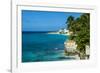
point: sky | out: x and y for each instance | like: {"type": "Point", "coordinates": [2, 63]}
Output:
{"type": "Point", "coordinates": [38, 21]}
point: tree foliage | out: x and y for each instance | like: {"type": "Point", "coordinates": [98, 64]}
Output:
{"type": "Point", "coordinates": [81, 30]}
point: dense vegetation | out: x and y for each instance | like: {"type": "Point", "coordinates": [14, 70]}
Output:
{"type": "Point", "coordinates": [81, 31]}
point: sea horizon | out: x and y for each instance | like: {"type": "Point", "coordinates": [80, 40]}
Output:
{"type": "Point", "coordinates": [38, 31]}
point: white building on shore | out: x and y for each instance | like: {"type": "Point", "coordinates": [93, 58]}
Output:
{"type": "Point", "coordinates": [62, 31]}
{"type": "Point", "coordinates": [65, 31]}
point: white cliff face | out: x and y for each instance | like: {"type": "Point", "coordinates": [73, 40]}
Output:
{"type": "Point", "coordinates": [70, 46]}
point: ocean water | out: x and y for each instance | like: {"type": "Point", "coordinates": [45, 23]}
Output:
{"type": "Point", "coordinates": [37, 47]}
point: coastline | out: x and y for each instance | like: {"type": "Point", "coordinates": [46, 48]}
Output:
{"type": "Point", "coordinates": [58, 33]}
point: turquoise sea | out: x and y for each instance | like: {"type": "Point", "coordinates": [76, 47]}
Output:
{"type": "Point", "coordinates": [37, 47]}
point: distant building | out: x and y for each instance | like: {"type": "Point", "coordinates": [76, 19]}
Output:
{"type": "Point", "coordinates": [70, 46]}
{"type": "Point", "coordinates": [63, 31]}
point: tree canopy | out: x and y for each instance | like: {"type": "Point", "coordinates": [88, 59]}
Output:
{"type": "Point", "coordinates": [81, 30]}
